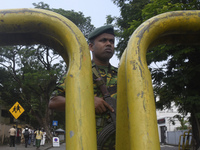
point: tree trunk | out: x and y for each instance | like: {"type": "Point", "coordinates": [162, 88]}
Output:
{"type": "Point", "coordinates": [46, 125]}
{"type": "Point", "coordinates": [44, 122]}
{"type": "Point", "coordinates": [195, 131]}
{"type": "Point", "coordinates": [47, 129]}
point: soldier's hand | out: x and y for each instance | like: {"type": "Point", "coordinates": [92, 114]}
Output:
{"type": "Point", "coordinates": [101, 106]}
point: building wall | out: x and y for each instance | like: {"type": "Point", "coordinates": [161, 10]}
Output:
{"type": "Point", "coordinates": [163, 120]}
{"type": "Point", "coordinates": [4, 115]}
{"type": "Point", "coordinates": [4, 133]}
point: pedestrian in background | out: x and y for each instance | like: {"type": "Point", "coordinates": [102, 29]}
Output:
{"type": "Point", "coordinates": [33, 136]}
{"type": "Point", "coordinates": [18, 141]}
{"type": "Point", "coordinates": [30, 137]}
{"type": "Point", "coordinates": [38, 137]}
{"type": "Point", "coordinates": [12, 133]}
{"type": "Point", "coordinates": [26, 133]}
{"type": "Point", "coordinates": [43, 137]}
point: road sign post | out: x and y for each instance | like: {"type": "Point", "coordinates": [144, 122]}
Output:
{"type": "Point", "coordinates": [55, 123]}
{"type": "Point", "coordinates": [16, 110]}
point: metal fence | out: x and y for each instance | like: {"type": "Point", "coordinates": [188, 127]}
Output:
{"type": "Point", "coordinates": [172, 137]}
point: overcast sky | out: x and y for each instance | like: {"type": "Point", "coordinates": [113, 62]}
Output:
{"type": "Point", "coordinates": [96, 9]}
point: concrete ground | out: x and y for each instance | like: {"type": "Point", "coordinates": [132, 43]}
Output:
{"type": "Point", "coordinates": [62, 147]}
{"type": "Point", "coordinates": [22, 147]}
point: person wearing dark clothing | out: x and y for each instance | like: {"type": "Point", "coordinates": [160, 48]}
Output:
{"type": "Point", "coordinates": [18, 136]}
{"type": "Point", "coordinates": [30, 137]}
{"type": "Point", "coordinates": [26, 135]}
{"type": "Point", "coordinates": [34, 137]}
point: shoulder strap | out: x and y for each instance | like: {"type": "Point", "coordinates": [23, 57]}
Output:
{"type": "Point", "coordinates": [100, 81]}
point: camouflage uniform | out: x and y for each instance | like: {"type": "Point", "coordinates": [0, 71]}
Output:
{"type": "Point", "coordinates": [109, 75]}
{"type": "Point", "coordinates": [60, 88]}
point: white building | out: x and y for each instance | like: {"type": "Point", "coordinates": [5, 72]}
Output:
{"type": "Point", "coordinates": [165, 124]}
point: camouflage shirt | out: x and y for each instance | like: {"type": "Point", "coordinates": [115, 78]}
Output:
{"type": "Point", "coordinates": [60, 88]}
{"type": "Point", "coordinates": [109, 75]}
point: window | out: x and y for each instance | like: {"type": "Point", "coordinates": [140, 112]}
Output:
{"type": "Point", "coordinates": [5, 113]}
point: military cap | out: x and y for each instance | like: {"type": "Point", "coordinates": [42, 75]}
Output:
{"type": "Point", "coordinates": [104, 29]}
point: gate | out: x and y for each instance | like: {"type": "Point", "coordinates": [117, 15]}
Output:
{"type": "Point", "coordinates": [136, 127]}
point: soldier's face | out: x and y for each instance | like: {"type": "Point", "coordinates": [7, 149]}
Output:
{"type": "Point", "coordinates": [103, 47]}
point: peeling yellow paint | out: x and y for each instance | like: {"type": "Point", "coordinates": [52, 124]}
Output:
{"type": "Point", "coordinates": [136, 113]}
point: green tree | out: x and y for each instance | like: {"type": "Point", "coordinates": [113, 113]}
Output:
{"type": "Point", "coordinates": [131, 13]}
{"type": "Point", "coordinates": [78, 18]}
{"type": "Point", "coordinates": [176, 80]}
{"type": "Point", "coordinates": [31, 77]}
{"type": "Point", "coordinates": [184, 122]}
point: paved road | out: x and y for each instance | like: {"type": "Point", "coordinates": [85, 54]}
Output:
{"type": "Point", "coordinates": [162, 147]}
{"type": "Point", "coordinates": [22, 147]}
{"type": "Point", "coordinates": [62, 147]}
{"type": "Point", "coordinates": [168, 147]}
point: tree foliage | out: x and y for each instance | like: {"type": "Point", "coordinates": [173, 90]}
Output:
{"type": "Point", "coordinates": [130, 19]}
{"type": "Point", "coordinates": [78, 18]}
{"type": "Point", "coordinates": [29, 77]}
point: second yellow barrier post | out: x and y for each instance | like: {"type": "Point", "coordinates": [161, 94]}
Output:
{"type": "Point", "coordinates": [136, 113]}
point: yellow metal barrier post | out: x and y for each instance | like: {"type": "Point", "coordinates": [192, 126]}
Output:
{"type": "Point", "coordinates": [179, 144]}
{"type": "Point", "coordinates": [136, 127]}
{"type": "Point", "coordinates": [186, 141]}
{"type": "Point", "coordinates": [37, 26]}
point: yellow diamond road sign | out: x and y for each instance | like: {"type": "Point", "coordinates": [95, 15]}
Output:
{"type": "Point", "coordinates": [16, 110]}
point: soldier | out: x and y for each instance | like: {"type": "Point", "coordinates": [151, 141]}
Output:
{"type": "Point", "coordinates": [101, 44]}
